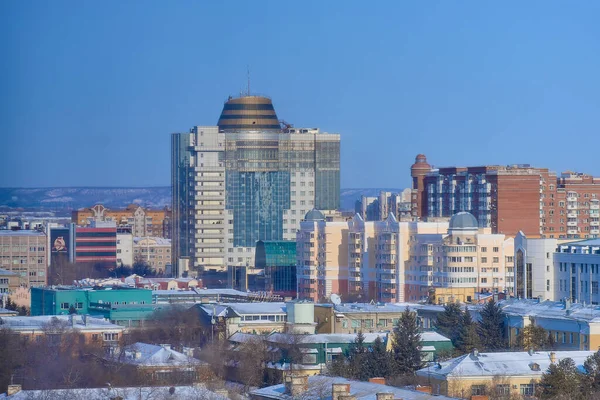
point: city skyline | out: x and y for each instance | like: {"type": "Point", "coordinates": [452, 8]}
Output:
{"type": "Point", "coordinates": [467, 86]}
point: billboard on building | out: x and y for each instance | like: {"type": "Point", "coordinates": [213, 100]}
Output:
{"type": "Point", "coordinates": [60, 245]}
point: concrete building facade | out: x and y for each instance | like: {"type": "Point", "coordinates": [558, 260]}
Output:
{"type": "Point", "coordinates": [24, 253]}
{"type": "Point", "coordinates": [247, 179]}
{"type": "Point", "coordinates": [154, 251]}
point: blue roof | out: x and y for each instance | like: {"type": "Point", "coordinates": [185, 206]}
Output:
{"type": "Point", "coordinates": [6, 232]}
{"type": "Point", "coordinates": [585, 242]}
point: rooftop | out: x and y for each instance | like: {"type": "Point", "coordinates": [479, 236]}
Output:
{"type": "Point", "coordinates": [6, 232]}
{"type": "Point", "coordinates": [517, 363]}
{"type": "Point", "coordinates": [585, 242]}
{"type": "Point", "coordinates": [245, 308]}
{"type": "Point", "coordinates": [320, 388]}
{"type": "Point", "coordinates": [463, 221]}
{"type": "Point", "coordinates": [151, 355]}
{"type": "Point", "coordinates": [326, 338]}
{"type": "Point", "coordinates": [80, 322]}
{"type": "Point", "coordinates": [551, 309]}
{"type": "Point", "coordinates": [151, 241]}
{"type": "Point", "coordinates": [126, 393]}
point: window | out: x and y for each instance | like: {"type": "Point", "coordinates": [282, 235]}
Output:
{"type": "Point", "coordinates": [477, 390]}
{"type": "Point", "coordinates": [526, 389]}
{"type": "Point", "coordinates": [309, 359]}
{"type": "Point", "coordinates": [503, 389]}
{"type": "Point", "coordinates": [368, 323]}
{"type": "Point", "coordinates": [484, 249]}
{"type": "Point", "coordinates": [495, 249]}
{"type": "Point", "coordinates": [496, 259]}
{"type": "Point", "coordinates": [64, 306]}
{"type": "Point", "coordinates": [111, 337]}
{"type": "Point", "coordinates": [484, 260]}
{"type": "Point", "coordinates": [356, 323]}
{"type": "Point", "coordinates": [345, 324]}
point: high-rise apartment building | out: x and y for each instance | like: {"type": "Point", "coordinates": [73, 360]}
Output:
{"type": "Point", "coordinates": [357, 259]}
{"type": "Point", "coordinates": [509, 199]}
{"type": "Point", "coordinates": [247, 179]}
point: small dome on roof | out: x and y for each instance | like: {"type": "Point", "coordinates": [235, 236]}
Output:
{"type": "Point", "coordinates": [463, 221]}
{"type": "Point", "coordinates": [314, 215]}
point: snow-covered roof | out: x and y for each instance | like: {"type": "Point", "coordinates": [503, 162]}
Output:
{"type": "Point", "coordinates": [516, 363]}
{"type": "Point", "coordinates": [245, 308]}
{"type": "Point", "coordinates": [151, 355]}
{"type": "Point", "coordinates": [551, 309]}
{"type": "Point", "coordinates": [320, 388]}
{"type": "Point", "coordinates": [430, 336]}
{"type": "Point", "coordinates": [326, 338]}
{"type": "Point", "coordinates": [348, 308]}
{"type": "Point", "coordinates": [40, 322]}
{"type": "Point", "coordinates": [240, 337]}
{"type": "Point", "coordinates": [126, 393]}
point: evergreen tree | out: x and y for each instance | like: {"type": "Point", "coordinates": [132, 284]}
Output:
{"type": "Point", "coordinates": [357, 358]}
{"type": "Point", "coordinates": [406, 343]}
{"type": "Point", "coordinates": [10, 305]}
{"type": "Point", "coordinates": [449, 322]}
{"type": "Point", "coordinates": [23, 311]}
{"type": "Point", "coordinates": [468, 338]}
{"type": "Point", "coordinates": [378, 360]}
{"type": "Point", "coordinates": [491, 328]}
{"type": "Point", "coordinates": [534, 338]}
{"type": "Point", "coordinates": [72, 310]}
{"type": "Point", "coordinates": [562, 380]}
{"type": "Point", "coordinates": [591, 379]}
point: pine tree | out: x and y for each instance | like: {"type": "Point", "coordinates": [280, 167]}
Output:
{"type": "Point", "coordinates": [491, 328]}
{"type": "Point", "coordinates": [468, 338]}
{"type": "Point", "coordinates": [534, 338]}
{"type": "Point", "coordinates": [562, 380]}
{"type": "Point", "coordinates": [591, 379]}
{"type": "Point", "coordinates": [378, 360]}
{"type": "Point", "coordinates": [449, 322]}
{"type": "Point", "coordinates": [72, 310]}
{"type": "Point", "coordinates": [357, 357]}
{"type": "Point", "coordinates": [10, 305]}
{"type": "Point", "coordinates": [406, 343]}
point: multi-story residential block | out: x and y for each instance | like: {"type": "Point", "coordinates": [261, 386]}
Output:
{"type": "Point", "coordinates": [378, 208]}
{"type": "Point", "coordinates": [24, 253]}
{"type": "Point", "coordinates": [137, 220]}
{"type": "Point", "coordinates": [356, 259]}
{"type": "Point", "coordinates": [460, 264]}
{"type": "Point", "coordinates": [247, 179]}
{"type": "Point", "coordinates": [510, 199]}
{"type": "Point", "coordinates": [154, 251]}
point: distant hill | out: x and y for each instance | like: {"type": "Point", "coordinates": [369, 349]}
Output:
{"type": "Point", "coordinates": [72, 198]}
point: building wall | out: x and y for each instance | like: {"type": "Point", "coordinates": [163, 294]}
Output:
{"type": "Point", "coordinates": [156, 252]}
{"type": "Point", "coordinates": [577, 271]}
{"type": "Point", "coordinates": [124, 249]}
{"type": "Point", "coordinates": [24, 253]}
{"type": "Point", "coordinates": [9, 281]}
{"type": "Point", "coordinates": [96, 245]}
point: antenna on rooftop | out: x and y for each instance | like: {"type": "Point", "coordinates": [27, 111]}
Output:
{"type": "Point", "coordinates": [248, 70]}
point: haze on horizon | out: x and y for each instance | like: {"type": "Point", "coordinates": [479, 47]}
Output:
{"type": "Point", "coordinates": [91, 91]}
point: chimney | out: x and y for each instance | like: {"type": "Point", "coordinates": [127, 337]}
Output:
{"type": "Point", "coordinates": [13, 389]}
{"type": "Point", "coordinates": [378, 380]}
{"type": "Point", "coordinates": [385, 396]}
{"type": "Point", "coordinates": [553, 357]}
{"type": "Point", "coordinates": [295, 385]}
{"type": "Point", "coordinates": [84, 319]}
{"type": "Point", "coordinates": [339, 389]}
{"type": "Point", "coordinates": [475, 353]}
{"type": "Point", "coordinates": [137, 354]}
{"type": "Point", "coordinates": [530, 351]}
{"type": "Point", "coordinates": [567, 304]}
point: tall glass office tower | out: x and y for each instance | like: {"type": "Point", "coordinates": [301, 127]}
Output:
{"type": "Point", "coordinates": [247, 179]}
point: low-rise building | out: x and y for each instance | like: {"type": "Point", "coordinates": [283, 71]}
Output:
{"type": "Point", "coordinates": [124, 249]}
{"type": "Point", "coordinates": [161, 364]}
{"type": "Point", "coordinates": [93, 330]}
{"type": "Point", "coordinates": [123, 305]}
{"type": "Point", "coordinates": [503, 373]}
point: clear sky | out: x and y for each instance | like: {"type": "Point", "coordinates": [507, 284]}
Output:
{"type": "Point", "coordinates": [90, 90]}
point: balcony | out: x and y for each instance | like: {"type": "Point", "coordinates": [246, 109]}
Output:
{"type": "Point", "coordinates": [572, 232]}
{"type": "Point", "coordinates": [594, 231]}
{"type": "Point", "coordinates": [595, 223]}
{"type": "Point", "coordinates": [572, 215]}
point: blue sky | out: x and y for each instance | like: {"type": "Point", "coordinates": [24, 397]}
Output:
{"type": "Point", "coordinates": [92, 90]}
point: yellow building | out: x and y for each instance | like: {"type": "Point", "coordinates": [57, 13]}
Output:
{"type": "Point", "coordinates": [494, 374]}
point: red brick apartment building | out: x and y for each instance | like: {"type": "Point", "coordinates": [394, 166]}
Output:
{"type": "Point", "coordinates": [510, 198]}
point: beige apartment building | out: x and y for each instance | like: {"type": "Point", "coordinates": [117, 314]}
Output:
{"type": "Point", "coordinates": [457, 265]}
{"type": "Point", "coordinates": [154, 251]}
{"type": "Point", "coordinates": [24, 253]}
{"type": "Point", "coordinates": [356, 259]}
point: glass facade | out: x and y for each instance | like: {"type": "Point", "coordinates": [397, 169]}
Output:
{"type": "Point", "coordinates": [327, 182]}
{"type": "Point", "coordinates": [182, 194]}
{"type": "Point", "coordinates": [278, 259]}
{"type": "Point", "coordinates": [257, 200]}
